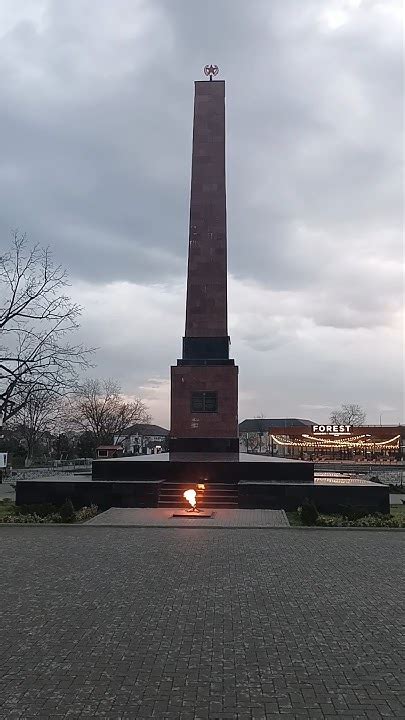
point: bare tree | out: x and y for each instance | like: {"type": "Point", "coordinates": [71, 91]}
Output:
{"type": "Point", "coordinates": [348, 415]}
{"type": "Point", "coordinates": [37, 418]}
{"type": "Point", "coordinates": [35, 319]}
{"type": "Point", "coordinates": [258, 441]}
{"type": "Point", "coordinates": [251, 441]}
{"type": "Point", "coordinates": [98, 406]}
{"type": "Point", "coordinates": [261, 429]}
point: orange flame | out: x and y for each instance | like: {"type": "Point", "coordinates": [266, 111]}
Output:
{"type": "Point", "coordinates": [200, 486]}
{"type": "Point", "coordinates": [190, 496]}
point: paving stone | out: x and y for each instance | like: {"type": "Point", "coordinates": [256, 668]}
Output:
{"type": "Point", "coordinates": [163, 517]}
{"type": "Point", "coordinates": [181, 624]}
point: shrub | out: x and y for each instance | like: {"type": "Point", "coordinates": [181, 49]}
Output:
{"type": "Point", "coordinates": [85, 513]}
{"type": "Point", "coordinates": [53, 518]}
{"type": "Point", "coordinates": [41, 510]}
{"type": "Point", "coordinates": [31, 518]}
{"type": "Point", "coordinates": [371, 521]}
{"type": "Point", "coordinates": [351, 513]}
{"type": "Point", "coordinates": [36, 514]}
{"type": "Point", "coordinates": [308, 513]}
{"type": "Point", "coordinates": [67, 511]}
{"type": "Point", "coordinates": [28, 518]}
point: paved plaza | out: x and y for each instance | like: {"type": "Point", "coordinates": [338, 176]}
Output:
{"type": "Point", "coordinates": [179, 624]}
{"type": "Point", "coordinates": [163, 517]}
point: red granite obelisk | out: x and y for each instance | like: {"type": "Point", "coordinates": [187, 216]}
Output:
{"type": "Point", "coordinates": [204, 384]}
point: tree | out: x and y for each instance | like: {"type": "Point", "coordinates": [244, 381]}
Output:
{"type": "Point", "coordinates": [63, 446]}
{"type": "Point", "coordinates": [261, 429]}
{"type": "Point", "coordinates": [86, 445]}
{"type": "Point", "coordinates": [348, 415]}
{"type": "Point", "coordinates": [11, 443]}
{"type": "Point", "coordinates": [36, 420]}
{"type": "Point", "coordinates": [260, 440]}
{"type": "Point", "coordinates": [98, 407]}
{"type": "Point", "coordinates": [35, 319]}
{"type": "Point", "coordinates": [251, 442]}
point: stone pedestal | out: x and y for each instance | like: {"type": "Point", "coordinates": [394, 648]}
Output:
{"type": "Point", "coordinates": [204, 431]}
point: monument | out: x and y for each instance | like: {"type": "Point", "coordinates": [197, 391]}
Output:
{"type": "Point", "coordinates": [204, 384]}
{"type": "Point", "coordinates": [203, 441]}
{"type": "Point", "coordinates": [203, 446]}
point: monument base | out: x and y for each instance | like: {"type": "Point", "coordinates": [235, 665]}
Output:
{"type": "Point", "coordinates": [206, 445]}
{"type": "Point", "coordinates": [328, 498]}
{"type": "Point", "coordinates": [204, 467]}
{"type": "Point", "coordinates": [238, 480]}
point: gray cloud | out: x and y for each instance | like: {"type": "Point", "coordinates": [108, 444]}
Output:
{"type": "Point", "coordinates": [96, 118]}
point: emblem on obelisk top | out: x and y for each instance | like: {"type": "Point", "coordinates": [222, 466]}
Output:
{"type": "Point", "coordinates": [211, 70]}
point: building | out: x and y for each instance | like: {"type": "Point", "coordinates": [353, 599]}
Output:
{"type": "Point", "coordinates": [143, 439]}
{"type": "Point", "coordinates": [304, 439]}
{"type": "Point", "coordinates": [109, 451]}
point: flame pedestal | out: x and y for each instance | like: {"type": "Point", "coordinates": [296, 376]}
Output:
{"type": "Point", "coordinates": [193, 514]}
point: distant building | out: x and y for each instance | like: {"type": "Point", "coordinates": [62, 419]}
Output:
{"type": "Point", "coordinates": [144, 439]}
{"type": "Point", "coordinates": [109, 451]}
{"type": "Point", "coordinates": [255, 434]}
{"type": "Point", "coordinates": [304, 439]}
{"type": "Point", "coordinates": [266, 424]}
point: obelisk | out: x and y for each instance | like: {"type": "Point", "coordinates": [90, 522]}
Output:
{"type": "Point", "coordinates": [204, 384]}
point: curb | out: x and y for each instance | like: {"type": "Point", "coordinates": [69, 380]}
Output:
{"type": "Point", "coordinates": [299, 528]}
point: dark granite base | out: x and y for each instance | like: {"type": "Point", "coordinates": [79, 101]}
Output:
{"type": "Point", "coordinates": [85, 492]}
{"type": "Point", "coordinates": [205, 349]}
{"type": "Point", "coordinates": [328, 498]}
{"type": "Point", "coordinates": [204, 467]}
{"type": "Point", "coordinates": [198, 445]}
{"type": "Point", "coordinates": [288, 496]}
{"type": "Point", "coordinates": [262, 482]}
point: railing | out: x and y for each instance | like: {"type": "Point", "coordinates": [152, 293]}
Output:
{"type": "Point", "coordinates": [360, 467]}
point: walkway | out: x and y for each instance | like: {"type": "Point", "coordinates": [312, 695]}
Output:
{"type": "Point", "coordinates": [130, 623]}
{"type": "Point", "coordinates": [162, 517]}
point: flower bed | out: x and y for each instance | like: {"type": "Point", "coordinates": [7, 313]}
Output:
{"type": "Point", "coordinates": [371, 521]}
{"type": "Point", "coordinates": [308, 515]}
{"type": "Point", "coordinates": [12, 514]}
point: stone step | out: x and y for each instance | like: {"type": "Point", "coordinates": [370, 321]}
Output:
{"type": "Point", "coordinates": [210, 498]}
{"type": "Point", "coordinates": [176, 493]}
{"type": "Point", "coordinates": [206, 505]}
{"type": "Point", "coordinates": [208, 486]}
{"type": "Point", "coordinates": [215, 495]}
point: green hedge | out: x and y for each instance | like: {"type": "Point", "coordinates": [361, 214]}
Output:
{"type": "Point", "coordinates": [47, 514]}
{"type": "Point", "coordinates": [371, 521]}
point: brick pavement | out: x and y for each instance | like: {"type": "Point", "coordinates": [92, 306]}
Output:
{"type": "Point", "coordinates": [194, 625]}
{"type": "Point", "coordinates": [163, 517]}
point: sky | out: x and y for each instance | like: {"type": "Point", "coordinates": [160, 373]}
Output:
{"type": "Point", "coordinates": [96, 129]}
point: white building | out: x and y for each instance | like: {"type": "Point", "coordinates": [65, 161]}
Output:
{"type": "Point", "coordinates": [142, 439]}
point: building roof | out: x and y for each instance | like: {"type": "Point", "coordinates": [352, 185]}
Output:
{"type": "Point", "coordinates": [145, 430]}
{"type": "Point", "coordinates": [264, 424]}
{"type": "Point", "coordinates": [109, 447]}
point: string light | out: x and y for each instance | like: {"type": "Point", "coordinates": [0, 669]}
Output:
{"type": "Point", "coordinates": [356, 441]}
{"type": "Point", "coordinates": [333, 441]}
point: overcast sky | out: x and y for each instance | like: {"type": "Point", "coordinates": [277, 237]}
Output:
{"type": "Point", "coordinates": [96, 127]}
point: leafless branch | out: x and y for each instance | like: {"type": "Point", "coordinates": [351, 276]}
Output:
{"type": "Point", "coordinates": [36, 316]}
{"type": "Point", "coordinates": [98, 406]}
